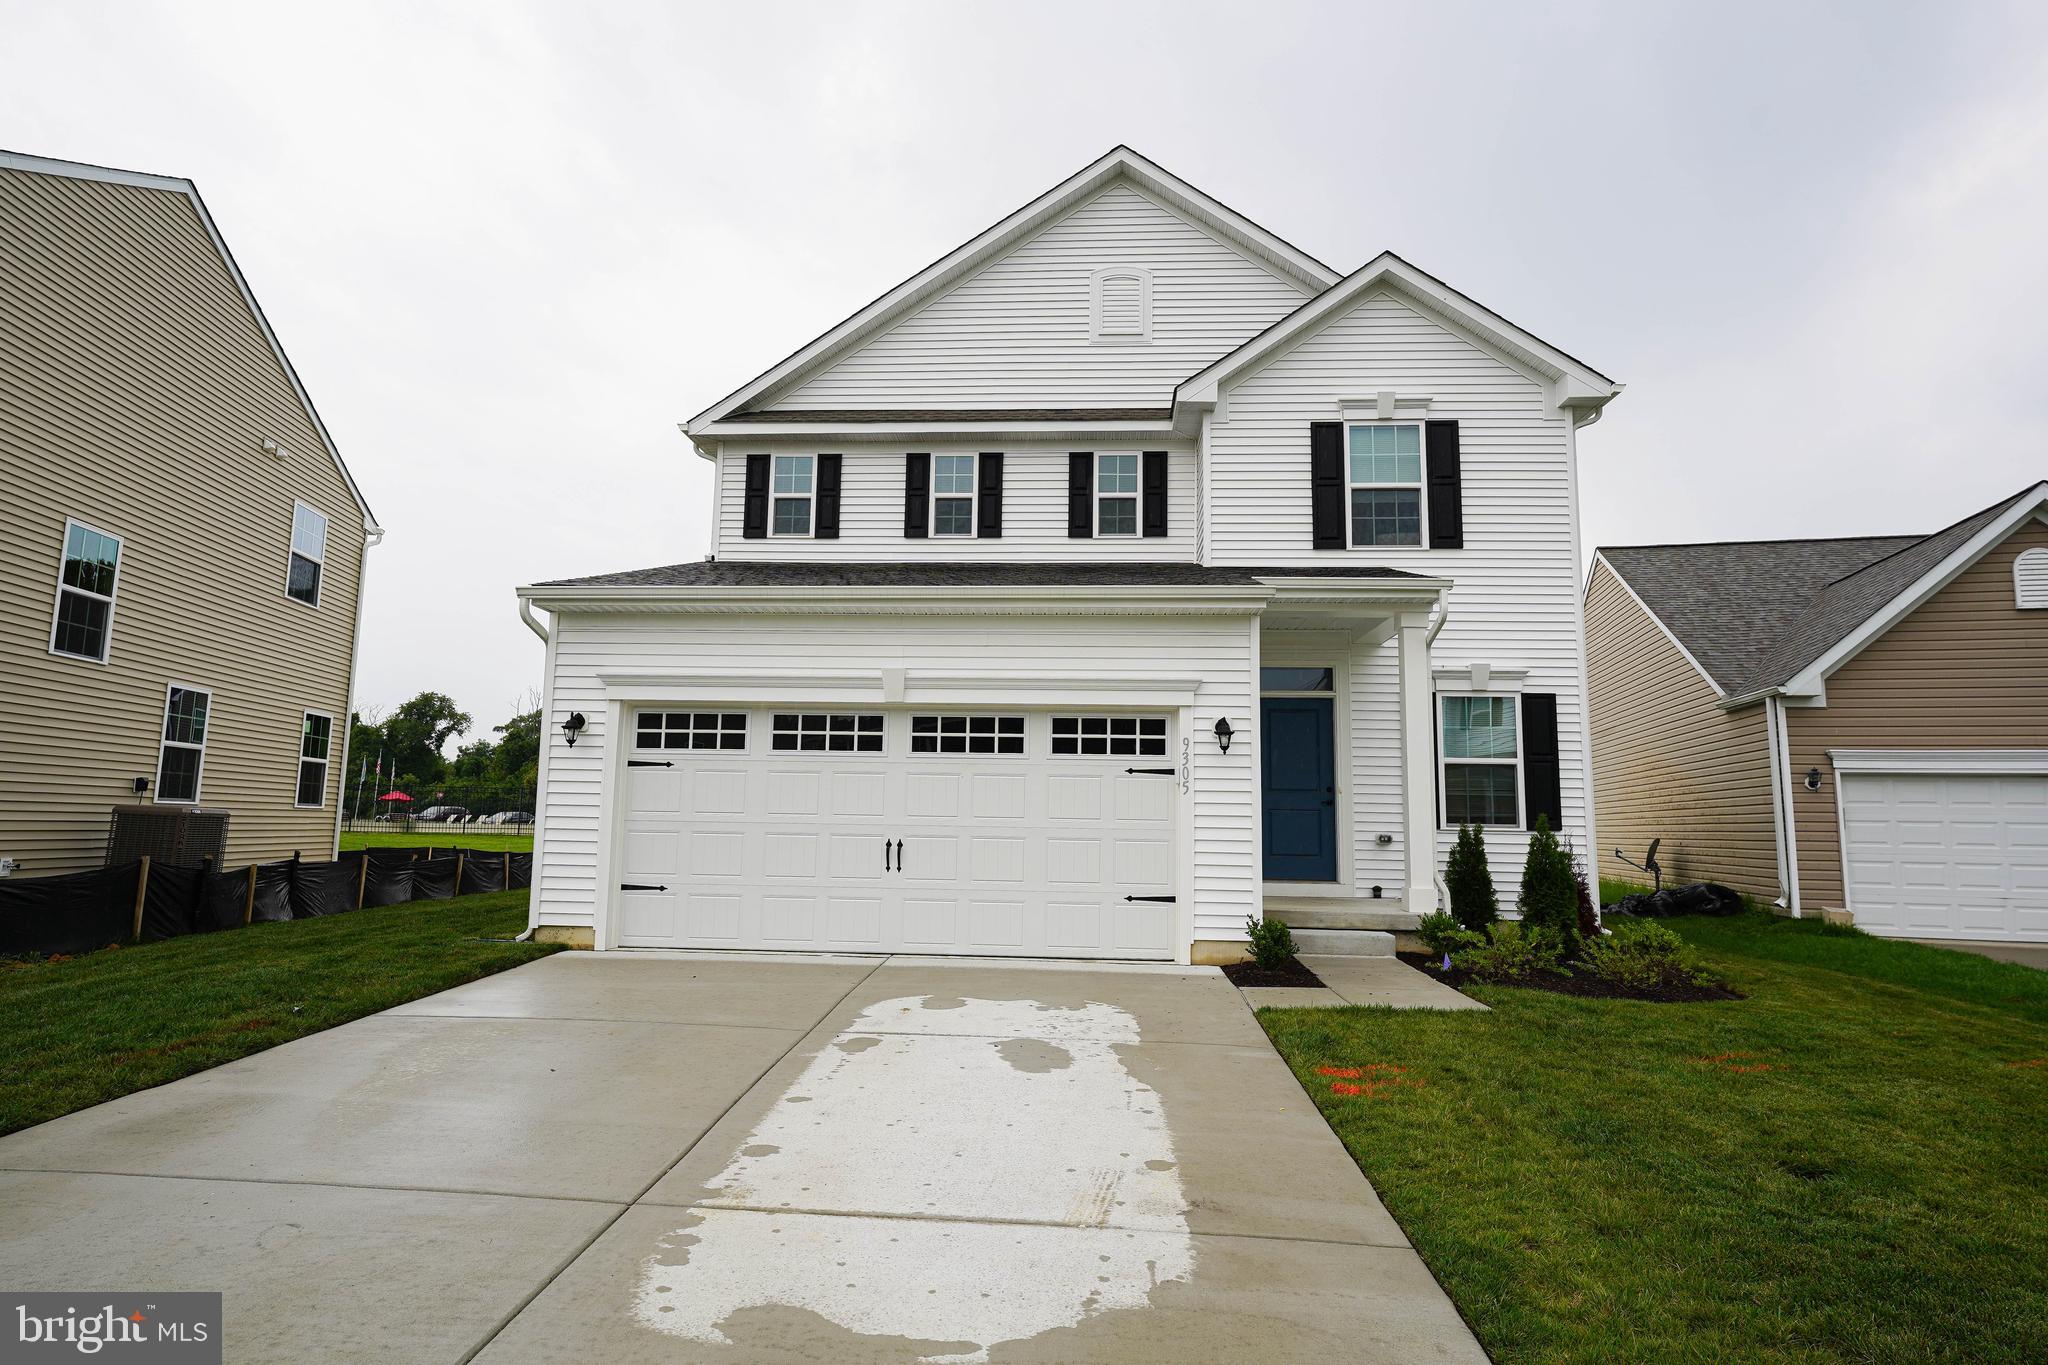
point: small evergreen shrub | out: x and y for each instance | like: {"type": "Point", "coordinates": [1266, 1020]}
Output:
{"type": "Point", "coordinates": [1272, 942]}
{"type": "Point", "coordinates": [1549, 900]}
{"type": "Point", "coordinates": [1641, 953]}
{"type": "Point", "coordinates": [1441, 934]}
{"type": "Point", "coordinates": [1511, 952]}
{"type": "Point", "coordinates": [1589, 913]}
{"type": "Point", "coordinates": [1470, 882]}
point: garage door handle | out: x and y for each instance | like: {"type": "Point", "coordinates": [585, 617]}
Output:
{"type": "Point", "coordinates": [649, 763]}
{"type": "Point", "coordinates": [638, 886]}
{"type": "Point", "coordinates": [1152, 898]}
{"type": "Point", "coordinates": [899, 855]}
{"type": "Point", "coordinates": [1152, 772]}
{"type": "Point", "coordinates": [885, 855]}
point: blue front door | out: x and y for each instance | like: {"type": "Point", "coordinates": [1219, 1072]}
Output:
{"type": "Point", "coordinates": [1299, 789]}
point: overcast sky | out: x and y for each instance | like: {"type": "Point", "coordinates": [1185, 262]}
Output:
{"type": "Point", "coordinates": [509, 246]}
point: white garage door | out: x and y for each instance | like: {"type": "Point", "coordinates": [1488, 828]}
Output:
{"type": "Point", "coordinates": [1947, 857]}
{"type": "Point", "coordinates": [1001, 833]}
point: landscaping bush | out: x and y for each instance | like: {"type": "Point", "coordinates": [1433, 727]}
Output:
{"type": "Point", "coordinates": [1470, 882]}
{"type": "Point", "coordinates": [1589, 913]}
{"type": "Point", "coordinates": [1272, 943]}
{"type": "Point", "coordinates": [1549, 901]}
{"type": "Point", "coordinates": [1641, 953]}
{"type": "Point", "coordinates": [1441, 934]}
{"type": "Point", "coordinates": [1512, 952]}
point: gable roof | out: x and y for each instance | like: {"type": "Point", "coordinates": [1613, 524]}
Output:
{"type": "Point", "coordinates": [1573, 383]}
{"type": "Point", "coordinates": [1119, 163]}
{"type": "Point", "coordinates": [79, 170]}
{"type": "Point", "coordinates": [1767, 616]}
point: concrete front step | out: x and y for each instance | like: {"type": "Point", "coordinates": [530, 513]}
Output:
{"type": "Point", "coordinates": [1343, 942]}
{"type": "Point", "coordinates": [1341, 914]}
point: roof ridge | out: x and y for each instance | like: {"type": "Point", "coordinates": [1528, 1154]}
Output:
{"type": "Point", "coordinates": [1772, 540]}
{"type": "Point", "coordinates": [1995, 507]}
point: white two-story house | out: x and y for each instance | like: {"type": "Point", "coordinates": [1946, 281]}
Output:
{"type": "Point", "coordinates": [1125, 574]}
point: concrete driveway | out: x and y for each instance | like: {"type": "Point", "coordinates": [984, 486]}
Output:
{"type": "Point", "coordinates": [670, 1158]}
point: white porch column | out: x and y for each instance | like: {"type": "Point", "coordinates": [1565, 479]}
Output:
{"type": "Point", "coordinates": [1418, 766]}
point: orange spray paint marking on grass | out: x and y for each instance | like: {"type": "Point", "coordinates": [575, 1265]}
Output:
{"type": "Point", "coordinates": [1349, 1073]}
{"type": "Point", "coordinates": [2029, 1062]}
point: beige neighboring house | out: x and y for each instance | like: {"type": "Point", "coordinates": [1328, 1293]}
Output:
{"type": "Point", "coordinates": [1854, 728]}
{"type": "Point", "coordinates": [182, 553]}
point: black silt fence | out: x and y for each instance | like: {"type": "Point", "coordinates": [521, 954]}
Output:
{"type": "Point", "coordinates": [143, 902]}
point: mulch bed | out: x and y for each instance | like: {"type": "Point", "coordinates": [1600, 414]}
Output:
{"type": "Point", "coordinates": [1252, 974]}
{"type": "Point", "coordinates": [1567, 983]}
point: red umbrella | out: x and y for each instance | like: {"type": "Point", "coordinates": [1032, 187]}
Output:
{"type": "Point", "coordinates": [394, 796]}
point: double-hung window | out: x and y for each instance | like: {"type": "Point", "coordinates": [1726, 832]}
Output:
{"type": "Point", "coordinates": [1116, 495]}
{"type": "Point", "coordinates": [1385, 476]}
{"type": "Point", "coordinates": [953, 495]}
{"type": "Point", "coordinates": [309, 555]}
{"type": "Point", "coordinates": [84, 624]}
{"type": "Point", "coordinates": [1481, 756]}
{"type": "Point", "coordinates": [315, 735]}
{"type": "Point", "coordinates": [793, 487]}
{"type": "Point", "coordinates": [183, 754]}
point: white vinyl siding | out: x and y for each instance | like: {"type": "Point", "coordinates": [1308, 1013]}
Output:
{"type": "Point", "coordinates": [1019, 333]}
{"type": "Point", "coordinates": [1516, 599]}
{"type": "Point", "coordinates": [1129, 649]}
{"type": "Point", "coordinates": [1034, 511]}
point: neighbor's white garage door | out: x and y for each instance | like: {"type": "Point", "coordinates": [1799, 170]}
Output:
{"type": "Point", "coordinates": [1947, 857]}
{"type": "Point", "coordinates": [1006, 833]}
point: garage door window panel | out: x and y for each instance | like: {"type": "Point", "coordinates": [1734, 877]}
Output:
{"type": "Point", "coordinates": [690, 730]}
{"type": "Point", "coordinates": [822, 732]}
{"type": "Point", "coordinates": [1109, 736]}
{"type": "Point", "coordinates": [964, 734]}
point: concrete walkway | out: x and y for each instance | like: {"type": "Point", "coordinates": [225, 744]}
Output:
{"type": "Point", "coordinates": [689, 1158]}
{"type": "Point", "coordinates": [1362, 981]}
{"type": "Point", "coordinates": [2026, 954]}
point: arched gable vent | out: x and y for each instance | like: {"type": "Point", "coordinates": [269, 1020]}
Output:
{"type": "Point", "coordinates": [1120, 304]}
{"type": "Point", "coordinates": [2030, 579]}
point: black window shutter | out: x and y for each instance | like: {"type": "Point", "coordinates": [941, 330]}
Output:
{"type": "Point", "coordinates": [1446, 488]}
{"type": "Point", "coordinates": [917, 496]}
{"type": "Point", "coordinates": [1153, 487]}
{"type": "Point", "coordinates": [826, 527]}
{"type": "Point", "coordinates": [1081, 495]}
{"type": "Point", "coordinates": [754, 509]}
{"type": "Point", "coordinates": [1326, 484]}
{"type": "Point", "coordinates": [988, 522]}
{"type": "Point", "coordinates": [1542, 792]}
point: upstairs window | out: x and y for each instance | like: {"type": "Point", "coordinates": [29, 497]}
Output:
{"type": "Point", "coordinates": [1120, 305]}
{"type": "Point", "coordinates": [793, 486]}
{"type": "Point", "coordinates": [953, 495]}
{"type": "Point", "coordinates": [1481, 752]}
{"type": "Point", "coordinates": [183, 754]}
{"type": "Point", "coordinates": [1116, 495]}
{"type": "Point", "coordinates": [309, 555]}
{"type": "Point", "coordinates": [316, 733]}
{"type": "Point", "coordinates": [84, 623]}
{"type": "Point", "coordinates": [1386, 483]}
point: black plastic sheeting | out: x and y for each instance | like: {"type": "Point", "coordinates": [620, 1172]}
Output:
{"type": "Point", "coordinates": [89, 910]}
{"type": "Point", "coordinates": [70, 914]}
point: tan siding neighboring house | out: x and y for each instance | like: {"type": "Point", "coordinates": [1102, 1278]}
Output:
{"type": "Point", "coordinates": [1967, 669]}
{"type": "Point", "coordinates": [1668, 762]}
{"type": "Point", "coordinates": [137, 390]}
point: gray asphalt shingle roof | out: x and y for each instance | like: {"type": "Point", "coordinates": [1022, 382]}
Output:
{"type": "Point", "coordinates": [918, 574]}
{"type": "Point", "coordinates": [1755, 613]}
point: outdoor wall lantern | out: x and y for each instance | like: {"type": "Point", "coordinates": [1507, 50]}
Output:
{"type": "Point", "coordinates": [1223, 733]}
{"type": "Point", "coordinates": [573, 727]}
{"type": "Point", "coordinates": [1813, 779]}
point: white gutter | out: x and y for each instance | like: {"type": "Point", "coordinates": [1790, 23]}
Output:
{"type": "Point", "coordinates": [532, 623]}
{"type": "Point", "coordinates": [372, 536]}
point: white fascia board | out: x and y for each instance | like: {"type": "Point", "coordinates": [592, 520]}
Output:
{"type": "Point", "coordinates": [1600, 558]}
{"type": "Point", "coordinates": [825, 434]}
{"type": "Point", "coordinates": [799, 687]}
{"type": "Point", "coordinates": [2021, 762]}
{"type": "Point", "coordinates": [78, 170]}
{"type": "Point", "coordinates": [1572, 384]}
{"type": "Point", "coordinates": [1812, 680]}
{"type": "Point", "coordinates": [1075, 600]}
{"type": "Point", "coordinates": [977, 251]}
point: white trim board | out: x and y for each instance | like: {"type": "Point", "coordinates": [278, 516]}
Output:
{"type": "Point", "coordinates": [1959, 762]}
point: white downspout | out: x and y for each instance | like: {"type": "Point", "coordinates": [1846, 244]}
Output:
{"type": "Point", "coordinates": [372, 536]}
{"type": "Point", "coordinates": [1786, 827]}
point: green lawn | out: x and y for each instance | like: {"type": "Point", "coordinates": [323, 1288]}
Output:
{"type": "Point", "coordinates": [77, 1031]}
{"type": "Point", "coordinates": [428, 837]}
{"type": "Point", "coordinates": [1847, 1166]}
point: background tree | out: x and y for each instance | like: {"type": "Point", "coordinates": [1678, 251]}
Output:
{"type": "Point", "coordinates": [416, 733]}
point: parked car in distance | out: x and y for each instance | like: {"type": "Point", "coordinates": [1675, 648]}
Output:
{"type": "Point", "coordinates": [444, 815]}
{"type": "Point", "coordinates": [508, 817]}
